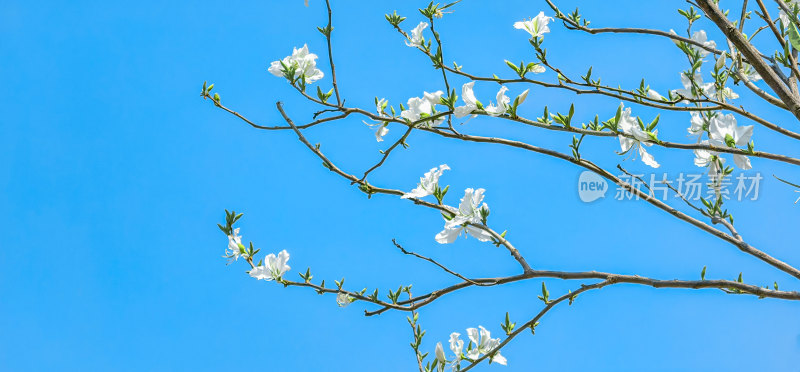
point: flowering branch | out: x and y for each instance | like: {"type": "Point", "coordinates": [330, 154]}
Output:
{"type": "Point", "coordinates": [707, 103]}
{"type": "Point", "coordinates": [531, 324]}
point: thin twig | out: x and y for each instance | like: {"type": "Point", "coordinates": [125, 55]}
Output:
{"type": "Point", "coordinates": [451, 272]}
{"type": "Point", "coordinates": [330, 54]}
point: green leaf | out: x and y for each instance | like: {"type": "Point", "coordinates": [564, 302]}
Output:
{"type": "Point", "coordinates": [512, 66]}
{"type": "Point", "coordinates": [703, 274]}
{"type": "Point", "coordinates": [545, 297]}
{"type": "Point", "coordinates": [653, 123]}
{"type": "Point", "coordinates": [794, 35]}
{"type": "Point", "coordinates": [618, 115]}
{"type": "Point", "coordinates": [571, 112]}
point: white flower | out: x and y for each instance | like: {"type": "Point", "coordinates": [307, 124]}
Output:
{"type": "Point", "coordinates": [537, 69]}
{"type": "Point", "coordinates": [724, 132]}
{"type": "Point", "coordinates": [439, 353]}
{"type": "Point", "coordinates": [537, 26]}
{"type": "Point", "coordinates": [380, 105]}
{"type": "Point", "coordinates": [700, 37]}
{"type": "Point", "coordinates": [652, 94]}
{"type": "Point", "coordinates": [502, 101]}
{"type": "Point", "coordinates": [235, 246]}
{"type": "Point", "coordinates": [434, 98]}
{"type": "Point", "coordinates": [273, 268]}
{"type": "Point", "coordinates": [416, 107]}
{"type": "Point", "coordinates": [750, 73]}
{"type": "Point", "coordinates": [381, 129]}
{"type": "Point", "coordinates": [630, 125]}
{"type": "Point", "coordinates": [416, 35]}
{"type": "Point", "coordinates": [484, 344]}
{"type": "Point", "coordinates": [696, 90]}
{"type": "Point", "coordinates": [721, 61]}
{"type": "Point", "coordinates": [427, 183]}
{"type": "Point", "coordinates": [420, 108]}
{"type": "Point", "coordinates": [726, 93]}
{"type": "Point", "coordinates": [469, 212]}
{"type": "Point", "coordinates": [521, 97]}
{"type": "Point", "coordinates": [697, 123]}
{"type": "Point", "coordinates": [470, 102]}
{"type": "Point", "coordinates": [343, 299]}
{"type": "Point", "coordinates": [305, 64]}
{"type": "Point", "coordinates": [707, 158]}
{"type": "Point", "coordinates": [456, 345]}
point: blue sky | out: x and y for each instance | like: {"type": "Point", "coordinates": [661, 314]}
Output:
{"type": "Point", "coordinates": [115, 173]}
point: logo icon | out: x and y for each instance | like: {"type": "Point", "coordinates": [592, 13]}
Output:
{"type": "Point", "coordinates": [591, 186]}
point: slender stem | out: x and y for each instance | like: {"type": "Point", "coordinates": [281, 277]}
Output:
{"type": "Point", "coordinates": [441, 67]}
{"type": "Point", "coordinates": [330, 54]}
{"type": "Point", "coordinates": [386, 153]}
{"type": "Point", "coordinates": [451, 272]}
{"type": "Point", "coordinates": [743, 17]}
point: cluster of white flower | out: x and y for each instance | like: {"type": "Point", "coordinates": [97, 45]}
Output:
{"type": "Point", "coordinates": [724, 132]}
{"type": "Point", "coordinates": [494, 109]}
{"type": "Point", "coordinates": [273, 267]}
{"type": "Point", "coordinates": [420, 108]}
{"type": "Point", "coordinates": [693, 87]}
{"type": "Point", "coordinates": [303, 63]}
{"type": "Point", "coordinates": [470, 212]}
{"type": "Point", "coordinates": [423, 107]}
{"type": "Point", "coordinates": [721, 129]}
{"type": "Point", "coordinates": [483, 344]}
{"type": "Point", "coordinates": [469, 215]}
